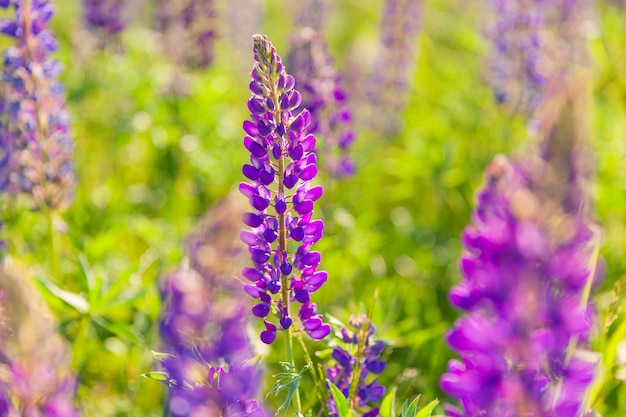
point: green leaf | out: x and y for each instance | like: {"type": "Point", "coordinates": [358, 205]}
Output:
{"type": "Point", "coordinates": [73, 300]}
{"type": "Point", "coordinates": [122, 330]}
{"type": "Point", "coordinates": [341, 402]}
{"type": "Point", "coordinates": [289, 380]}
{"type": "Point", "coordinates": [428, 409]}
{"type": "Point", "coordinates": [388, 405]}
{"type": "Point", "coordinates": [410, 410]}
{"type": "Point", "coordinates": [157, 376]}
{"type": "Point", "coordinates": [162, 377]}
{"type": "Point", "coordinates": [161, 356]}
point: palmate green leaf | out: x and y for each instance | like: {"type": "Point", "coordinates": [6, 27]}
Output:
{"type": "Point", "coordinates": [388, 405]}
{"type": "Point", "coordinates": [428, 409]}
{"type": "Point", "coordinates": [288, 380]}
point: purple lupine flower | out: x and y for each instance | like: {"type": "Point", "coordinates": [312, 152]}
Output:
{"type": "Point", "coordinates": [35, 376]}
{"type": "Point", "coordinates": [522, 341]}
{"type": "Point", "coordinates": [353, 363]}
{"type": "Point", "coordinates": [189, 30]}
{"type": "Point", "coordinates": [536, 44]}
{"type": "Point", "coordinates": [282, 167]}
{"type": "Point", "coordinates": [104, 15]}
{"type": "Point", "coordinates": [400, 26]}
{"type": "Point", "coordinates": [324, 97]}
{"type": "Point", "coordinates": [35, 122]}
{"type": "Point", "coordinates": [207, 350]}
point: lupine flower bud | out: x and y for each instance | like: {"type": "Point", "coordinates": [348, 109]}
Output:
{"type": "Point", "coordinates": [35, 377]}
{"type": "Point", "coordinates": [536, 43]}
{"type": "Point", "coordinates": [35, 122]}
{"type": "Point", "coordinates": [400, 26]}
{"type": "Point", "coordinates": [360, 359]}
{"type": "Point", "coordinates": [324, 97]}
{"type": "Point", "coordinates": [189, 30]}
{"type": "Point", "coordinates": [282, 167]}
{"type": "Point", "coordinates": [529, 268]}
{"type": "Point", "coordinates": [104, 15]}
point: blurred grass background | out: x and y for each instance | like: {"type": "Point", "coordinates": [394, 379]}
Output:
{"type": "Point", "coordinates": [150, 162]}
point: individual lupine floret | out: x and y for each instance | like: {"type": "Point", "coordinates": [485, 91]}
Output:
{"type": "Point", "coordinates": [35, 119]}
{"type": "Point", "coordinates": [536, 43]}
{"type": "Point", "coordinates": [360, 359]}
{"type": "Point", "coordinates": [189, 30]}
{"type": "Point", "coordinates": [35, 376]}
{"type": "Point", "coordinates": [206, 351]}
{"type": "Point", "coordinates": [282, 167]}
{"type": "Point", "coordinates": [391, 82]}
{"type": "Point", "coordinates": [528, 264]}
{"type": "Point", "coordinates": [104, 15]}
{"type": "Point", "coordinates": [324, 97]}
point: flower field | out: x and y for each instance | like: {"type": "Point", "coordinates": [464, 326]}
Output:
{"type": "Point", "coordinates": [233, 208]}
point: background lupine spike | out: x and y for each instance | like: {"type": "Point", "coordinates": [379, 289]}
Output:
{"type": "Point", "coordinates": [325, 98]}
{"type": "Point", "coordinates": [203, 323]}
{"type": "Point", "coordinates": [535, 44]}
{"type": "Point", "coordinates": [282, 167]}
{"type": "Point", "coordinates": [35, 376]}
{"type": "Point", "coordinates": [189, 33]}
{"type": "Point", "coordinates": [360, 357]}
{"type": "Point", "coordinates": [531, 262]}
{"type": "Point", "coordinates": [35, 121]}
{"type": "Point", "coordinates": [104, 16]}
{"type": "Point", "coordinates": [391, 79]}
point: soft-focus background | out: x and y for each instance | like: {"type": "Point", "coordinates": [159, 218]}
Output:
{"type": "Point", "coordinates": [157, 144]}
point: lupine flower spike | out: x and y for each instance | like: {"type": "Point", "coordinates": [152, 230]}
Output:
{"type": "Point", "coordinates": [189, 30]}
{"type": "Point", "coordinates": [529, 267]}
{"type": "Point", "coordinates": [37, 148]}
{"type": "Point", "coordinates": [35, 377]}
{"type": "Point", "coordinates": [282, 167]}
{"type": "Point", "coordinates": [324, 97]}
{"type": "Point", "coordinates": [400, 26]}
{"type": "Point", "coordinates": [206, 351]}
{"type": "Point", "coordinates": [356, 367]}
{"type": "Point", "coordinates": [104, 16]}
{"type": "Point", "coordinates": [535, 44]}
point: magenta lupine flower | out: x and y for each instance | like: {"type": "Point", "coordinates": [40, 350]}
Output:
{"type": "Point", "coordinates": [391, 83]}
{"type": "Point", "coordinates": [282, 167]}
{"type": "Point", "coordinates": [536, 43]}
{"type": "Point", "coordinates": [35, 122]}
{"type": "Point", "coordinates": [35, 376]}
{"type": "Point", "coordinates": [207, 350]}
{"type": "Point", "coordinates": [324, 97]}
{"type": "Point", "coordinates": [189, 30]}
{"type": "Point", "coordinates": [522, 341]}
{"type": "Point", "coordinates": [104, 15]}
{"type": "Point", "coordinates": [365, 364]}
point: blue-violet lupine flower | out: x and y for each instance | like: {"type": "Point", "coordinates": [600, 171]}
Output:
{"type": "Point", "coordinates": [324, 97]}
{"type": "Point", "coordinates": [104, 15]}
{"type": "Point", "coordinates": [207, 350]}
{"type": "Point", "coordinates": [400, 26]}
{"type": "Point", "coordinates": [360, 359]}
{"type": "Point", "coordinates": [189, 29]}
{"type": "Point", "coordinates": [35, 376]}
{"type": "Point", "coordinates": [35, 121]}
{"type": "Point", "coordinates": [536, 44]}
{"type": "Point", "coordinates": [282, 167]}
{"type": "Point", "coordinates": [522, 341]}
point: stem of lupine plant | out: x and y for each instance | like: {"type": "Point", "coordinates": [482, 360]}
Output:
{"type": "Point", "coordinates": [317, 379]}
{"type": "Point", "coordinates": [55, 265]}
{"type": "Point", "coordinates": [282, 246]}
